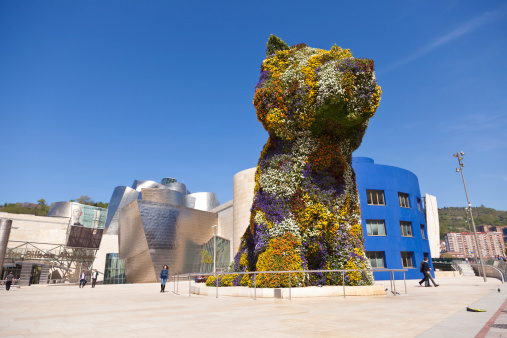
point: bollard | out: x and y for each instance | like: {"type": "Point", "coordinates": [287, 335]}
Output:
{"type": "Point", "coordinates": [290, 298]}
{"type": "Point", "coordinates": [343, 278]}
{"type": "Point", "coordinates": [255, 286]}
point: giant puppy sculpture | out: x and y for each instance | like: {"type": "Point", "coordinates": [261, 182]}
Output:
{"type": "Point", "coordinates": [315, 105]}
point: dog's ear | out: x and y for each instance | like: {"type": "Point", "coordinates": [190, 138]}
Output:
{"type": "Point", "coordinates": [274, 45]}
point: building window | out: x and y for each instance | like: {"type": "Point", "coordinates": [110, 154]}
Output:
{"type": "Point", "coordinates": [419, 204]}
{"type": "Point", "coordinates": [406, 259]}
{"type": "Point", "coordinates": [375, 227]}
{"type": "Point", "coordinates": [406, 229]}
{"type": "Point", "coordinates": [422, 232]}
{"type": "Point", "coordinates": [376, 259]}
{"type": "Point", "coordinates": [375, 197]}
{"type": "Point", "coordinates": [404, 201]}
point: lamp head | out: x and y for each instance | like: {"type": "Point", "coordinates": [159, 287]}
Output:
{"type": "Point", "coordinates": [454, 155]}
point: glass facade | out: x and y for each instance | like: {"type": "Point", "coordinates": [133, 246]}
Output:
{"type": "Point", "coordinates": [222, 255]}
{"type": "Point", "coordinates": [115, 270]}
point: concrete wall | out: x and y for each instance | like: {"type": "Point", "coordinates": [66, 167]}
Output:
{"type": "Point", "coordinates": [243, 194]}
{"type": "Point", "coordinates": [226, 222]}
{"type": "Point", "coordinates": [108, 244]}
{"type": "Point", "coordinates": [40, 229]}
{"type": "Point", "coordinates": [433, 225]}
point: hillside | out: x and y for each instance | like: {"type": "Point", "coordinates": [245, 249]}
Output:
{"type": "Point", "coordinates": [453, 219]}
{"type": "Point", "coordinates": [41, 208]}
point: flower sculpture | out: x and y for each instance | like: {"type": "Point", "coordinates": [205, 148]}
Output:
{"type": "Point", "coordinates": [315, 105]}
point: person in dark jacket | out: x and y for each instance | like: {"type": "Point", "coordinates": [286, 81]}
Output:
{"type": "Point", "coordinates": [8, 280]}
{"type": "Point", "coordinates": [164, 274]}
{"type": "Point", "coordinates": [427, 273]}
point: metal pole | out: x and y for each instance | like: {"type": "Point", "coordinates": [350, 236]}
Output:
{"type": "Point", "coordinates": [391, 280]}
{"type": "Point", "coordinates": [470, 229]}
{"type": "Point", "coordinates": [290, 298]}
{"type": "Point", "coordinates": [405, 281]}
{"type": "Point", "coordinates": [461, 165]}
{"type": "Point", "coordinates": [214, 248]}
{"type": "Point", "coordinates": [189, 285]}
{"type": "Point", "coordinates": [343, 279]}
{"type": "Point", "coordinates": [394, 283]}
{"type": "Point", "coordinates": [255, 286]}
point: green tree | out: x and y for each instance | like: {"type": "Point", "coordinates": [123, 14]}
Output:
{"type": "Point", "coordinates": [84, 199]}
{"type": "Point", "coordinates": [42, 202]}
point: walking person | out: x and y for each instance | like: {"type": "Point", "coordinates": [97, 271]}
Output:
{"type": "Point", "coordinates": [164, 274]}
{"type": "Point", "coordinates": [95, 274]}
{"type": "Point", "coordinates": [8, 281]}
{"type": "Point", "coordinates": [421, 269]}
{"type": "Point", "coordinates": [82, 279]}
{"type": "Point", "coordinates": [427, 272]}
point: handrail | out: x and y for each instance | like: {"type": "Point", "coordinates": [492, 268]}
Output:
{"type": "Point", "coordinates": [255, 273]}
{"type": "Point", "coordinates": [488, 274]}
{"type": "Point", "coordinates": [456, 267]}
{"type": "Point", "coordinates": [500, 272]}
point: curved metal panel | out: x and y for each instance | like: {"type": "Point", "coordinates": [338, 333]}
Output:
{"type": "Point", "coordinates": [60, 209]}
{"type": "Point", "coordinates": [177, 187]}
{"type": "Point", "coordinates": [162, 196]}
{"type": "Point", "coordinates": [5, 231]}
{"type": "Point", "coordinates": [121, 197]}
{"type": "Point", "coordinates": [138, 185]}
{"type": "Point", "coordinates": [188, 201]}
{"type": "Point", "coordinates": [205, 201]}
{"type": "Point", "coordinates": [154, 234]}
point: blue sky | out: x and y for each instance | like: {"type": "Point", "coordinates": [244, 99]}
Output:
{"type": "Point", "coordinates": [95, 94]}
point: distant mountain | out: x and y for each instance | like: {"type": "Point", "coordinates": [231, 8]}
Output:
{"type": "Point", "coordinates": [453, 219]}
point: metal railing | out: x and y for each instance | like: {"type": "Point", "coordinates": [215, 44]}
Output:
{"type": "Point", "coordinates": [491, 271]}
{"type": "Point", "coordinates": [218, 276]}
{"type": "Point", "coordinates": [456, 267]}
{"type": "Point", "coordinates": [15, 283]}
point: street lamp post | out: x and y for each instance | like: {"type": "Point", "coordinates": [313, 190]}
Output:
{"type": "Point", "coordinates": [470, 229]}
{"type": "Point", "coordinates": [459, 155]}
{"type": "Point", "coordinates": [214, 247]}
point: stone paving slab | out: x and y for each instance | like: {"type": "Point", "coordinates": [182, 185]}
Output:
{"type": "Point", "coordinates": [135, 310]}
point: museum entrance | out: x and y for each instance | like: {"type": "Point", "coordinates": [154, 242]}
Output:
{"type": "Point", "coordinates": [35, 274]}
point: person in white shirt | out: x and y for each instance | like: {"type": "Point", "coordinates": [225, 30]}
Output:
{"type": "Point", "coordinates": [94, 277]}
{"type": "Point", "coordinates": [82, 279]}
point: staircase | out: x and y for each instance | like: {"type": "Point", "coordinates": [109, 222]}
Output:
{"type": "Point", "coordinates": [467, 269]}
{"type": "Point", "coordinates": [25, 274]}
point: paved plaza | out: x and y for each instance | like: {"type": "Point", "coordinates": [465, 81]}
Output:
{"type": "Point", "coordinates": [140, 310]}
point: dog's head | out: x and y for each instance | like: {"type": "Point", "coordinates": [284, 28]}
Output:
{"type": "Point", "coordinates": [326, 92]}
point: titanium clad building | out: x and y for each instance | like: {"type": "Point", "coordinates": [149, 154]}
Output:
{"type": "Point", "coordinates": [155, 234]}
{"type": "Point", "coordinates": [160, 224]}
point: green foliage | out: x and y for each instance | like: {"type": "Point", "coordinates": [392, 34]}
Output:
{"type": "Point", "coordinates": [41, 208]}
{"type": "Point", "coordinates": [454, 219]}
{"type": "Point", "coordinates": [84, 199]}
{"type": "Point", "coordinates": [275, 44]}
{"type": "Point", "coordinates": [26, 208]}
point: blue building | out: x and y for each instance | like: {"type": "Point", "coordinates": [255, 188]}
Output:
{"type": "Point", "coordinates": [392, 217]}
